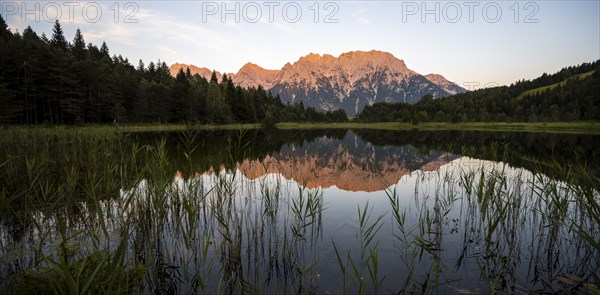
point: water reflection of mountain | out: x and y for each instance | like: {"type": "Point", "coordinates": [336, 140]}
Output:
{"type": "Point", "coordinates": [348, 163]}
{"type": "Point", "coordinates": [343, 158]}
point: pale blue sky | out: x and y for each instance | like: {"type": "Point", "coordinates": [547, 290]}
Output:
{"type": "Point", "coordinates": [486, 43]}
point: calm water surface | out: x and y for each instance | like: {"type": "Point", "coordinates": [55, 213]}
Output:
{"type": "Point", "coordinates": [334, 211]}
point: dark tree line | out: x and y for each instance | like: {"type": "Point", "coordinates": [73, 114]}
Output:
{"type": "Point", "coordinates": [53, 81]}
{"type": "Point", "coordinates": [578, 98]}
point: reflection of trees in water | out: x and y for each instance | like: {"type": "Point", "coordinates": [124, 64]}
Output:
{"type": "Point", "coordinates": [215, 148]}
{"type": "Point", "coordinates": [549, 153]}
{"type": "Point", "coordinates": [370, 149]}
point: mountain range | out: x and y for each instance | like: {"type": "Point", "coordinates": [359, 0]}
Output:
{"type": "Point", "coordinates": [350, 81]}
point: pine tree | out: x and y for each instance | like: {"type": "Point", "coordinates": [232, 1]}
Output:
{"type": "Point", "coordinates": [213, 78]}
{"type": "Point", "coordinates": [217, 111]}
{"type": "Point", "coordinates": [58, 38]}
{"type": "Point", "coordinates": [78, 48]}
{"type": "Point", "coordinates": [104, 50]}
{"type": "Point", "coordinates": [183, 104]}
{"type": "Point", "coordinates": [64, 82]}
{"type": "Point", "coordinates": [141, 67]}
{"type": "Point", "coordinates": [6, 51]}
{"type": "Point", "coordinates": [30, 76]}
{"type": "Point", "coordinates": [150, 71]}
{"type": "Point", "coordinates": [3, 28]}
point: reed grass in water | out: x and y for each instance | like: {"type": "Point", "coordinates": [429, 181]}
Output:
{"type": "Point", "coordinates": [96, 212]}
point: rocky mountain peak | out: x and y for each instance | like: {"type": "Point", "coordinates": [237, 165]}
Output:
{"type": "Point", "coordinates": [252, 75]}
{"type": "Point", "coordinates": [250, 67]}
{"type": "Point", "coordinates": [311, 57]}
{"type": "Point", "coordinates": [437, 78]}
{"type": "Point", "coordinates": [443, 83]}
{"type": "Point", "coordinates": [374, 58]}
{"type": "Point", "coordinates": [350, 81]}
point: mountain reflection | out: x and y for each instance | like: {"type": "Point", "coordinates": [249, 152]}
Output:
{"type": "Point", "coordinates": [370, 160]}
{"type": "Point", "coordinates": [349, 164]}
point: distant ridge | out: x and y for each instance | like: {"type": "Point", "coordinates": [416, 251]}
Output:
{"type": "Point", "coordinates": [350, 82]}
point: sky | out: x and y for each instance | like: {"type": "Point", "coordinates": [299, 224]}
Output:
{"type": "Point", "coordinates": [473, 43]}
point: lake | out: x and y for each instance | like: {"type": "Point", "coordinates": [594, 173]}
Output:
{"type": "Point", "coordinates": [299, 211]}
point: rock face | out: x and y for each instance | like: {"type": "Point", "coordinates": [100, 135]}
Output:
{"type": "Point", "coordinates": [204, 72]}
{"type": "Point", "coordinates": [350, 82]}
{"type": "Point", "coordinates": [251, 75]}
{"type": "Point", "coordinates": [446, 85]}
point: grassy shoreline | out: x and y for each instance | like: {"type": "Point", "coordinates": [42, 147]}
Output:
{"type": "Point", "coordinates": [133, 127]}
{"type": "Point", "coordinates": [552, 127]}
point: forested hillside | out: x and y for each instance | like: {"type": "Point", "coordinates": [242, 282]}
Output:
{"type": "Point", "coordinates": [52, 81]}
{"type": "Point", "coordinates": [569, 98]}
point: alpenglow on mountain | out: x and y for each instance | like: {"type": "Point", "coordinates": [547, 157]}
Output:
{"type": "Point", "coordinates": [350, 82]}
